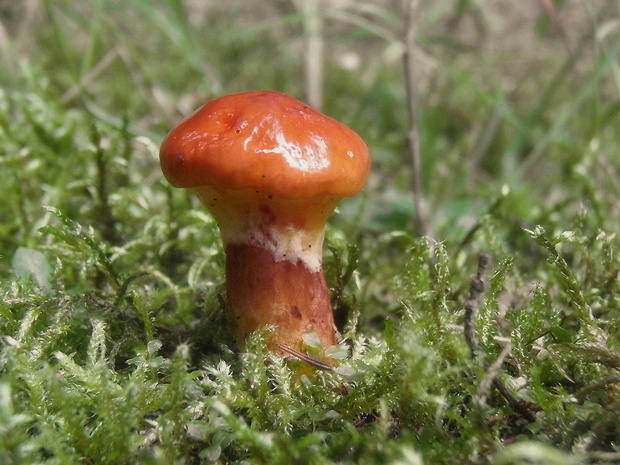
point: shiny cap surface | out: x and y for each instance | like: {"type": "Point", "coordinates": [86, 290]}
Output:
{"type": "Point", "coordinates": [268, 141]}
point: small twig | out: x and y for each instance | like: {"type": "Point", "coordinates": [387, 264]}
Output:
{"type": "Point", "coordinates": [312, 361]}
{"type": "Point", "coordinates": [413, 136]}
{"type": "Point", "coordinates": [490, 377]}
{"type": "Point", "coordinates": [476, 289]}
{"type": "Point", "coordinates": [514, 403]}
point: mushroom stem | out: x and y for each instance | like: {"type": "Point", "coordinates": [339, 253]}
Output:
{"type": "Point", "coordinates": [274, 274]}
{"type": "Point", "coordinates": [263, 290]}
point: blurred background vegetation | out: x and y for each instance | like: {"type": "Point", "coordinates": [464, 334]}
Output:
{"type": "Point", "coordinates": [515, 93]}
{"type": "Point", "coordinates": [517, 110]}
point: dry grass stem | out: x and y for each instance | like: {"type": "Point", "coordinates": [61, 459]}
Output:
{"type": "Point", "coordinates": [313, 24]}
{"type": "Point", "coordinates": [422, 221]}
{"type": "Point", "coordinates": [90, 77]}
{"type": "Point", "coordinates": [493, 370]}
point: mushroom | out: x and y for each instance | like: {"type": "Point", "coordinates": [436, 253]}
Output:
{"type": "Point", "coordinates": [270, 169]}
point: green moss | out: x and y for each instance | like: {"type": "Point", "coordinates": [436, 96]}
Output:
{"type": "Point", "coordinates": [115, 347]}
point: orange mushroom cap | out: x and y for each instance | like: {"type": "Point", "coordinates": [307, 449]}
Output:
{"type": "Point", "coordinates": [267, 141]}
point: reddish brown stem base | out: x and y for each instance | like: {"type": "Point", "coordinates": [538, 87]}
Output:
{"type": "Point", "coordinates": [286, 295]}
